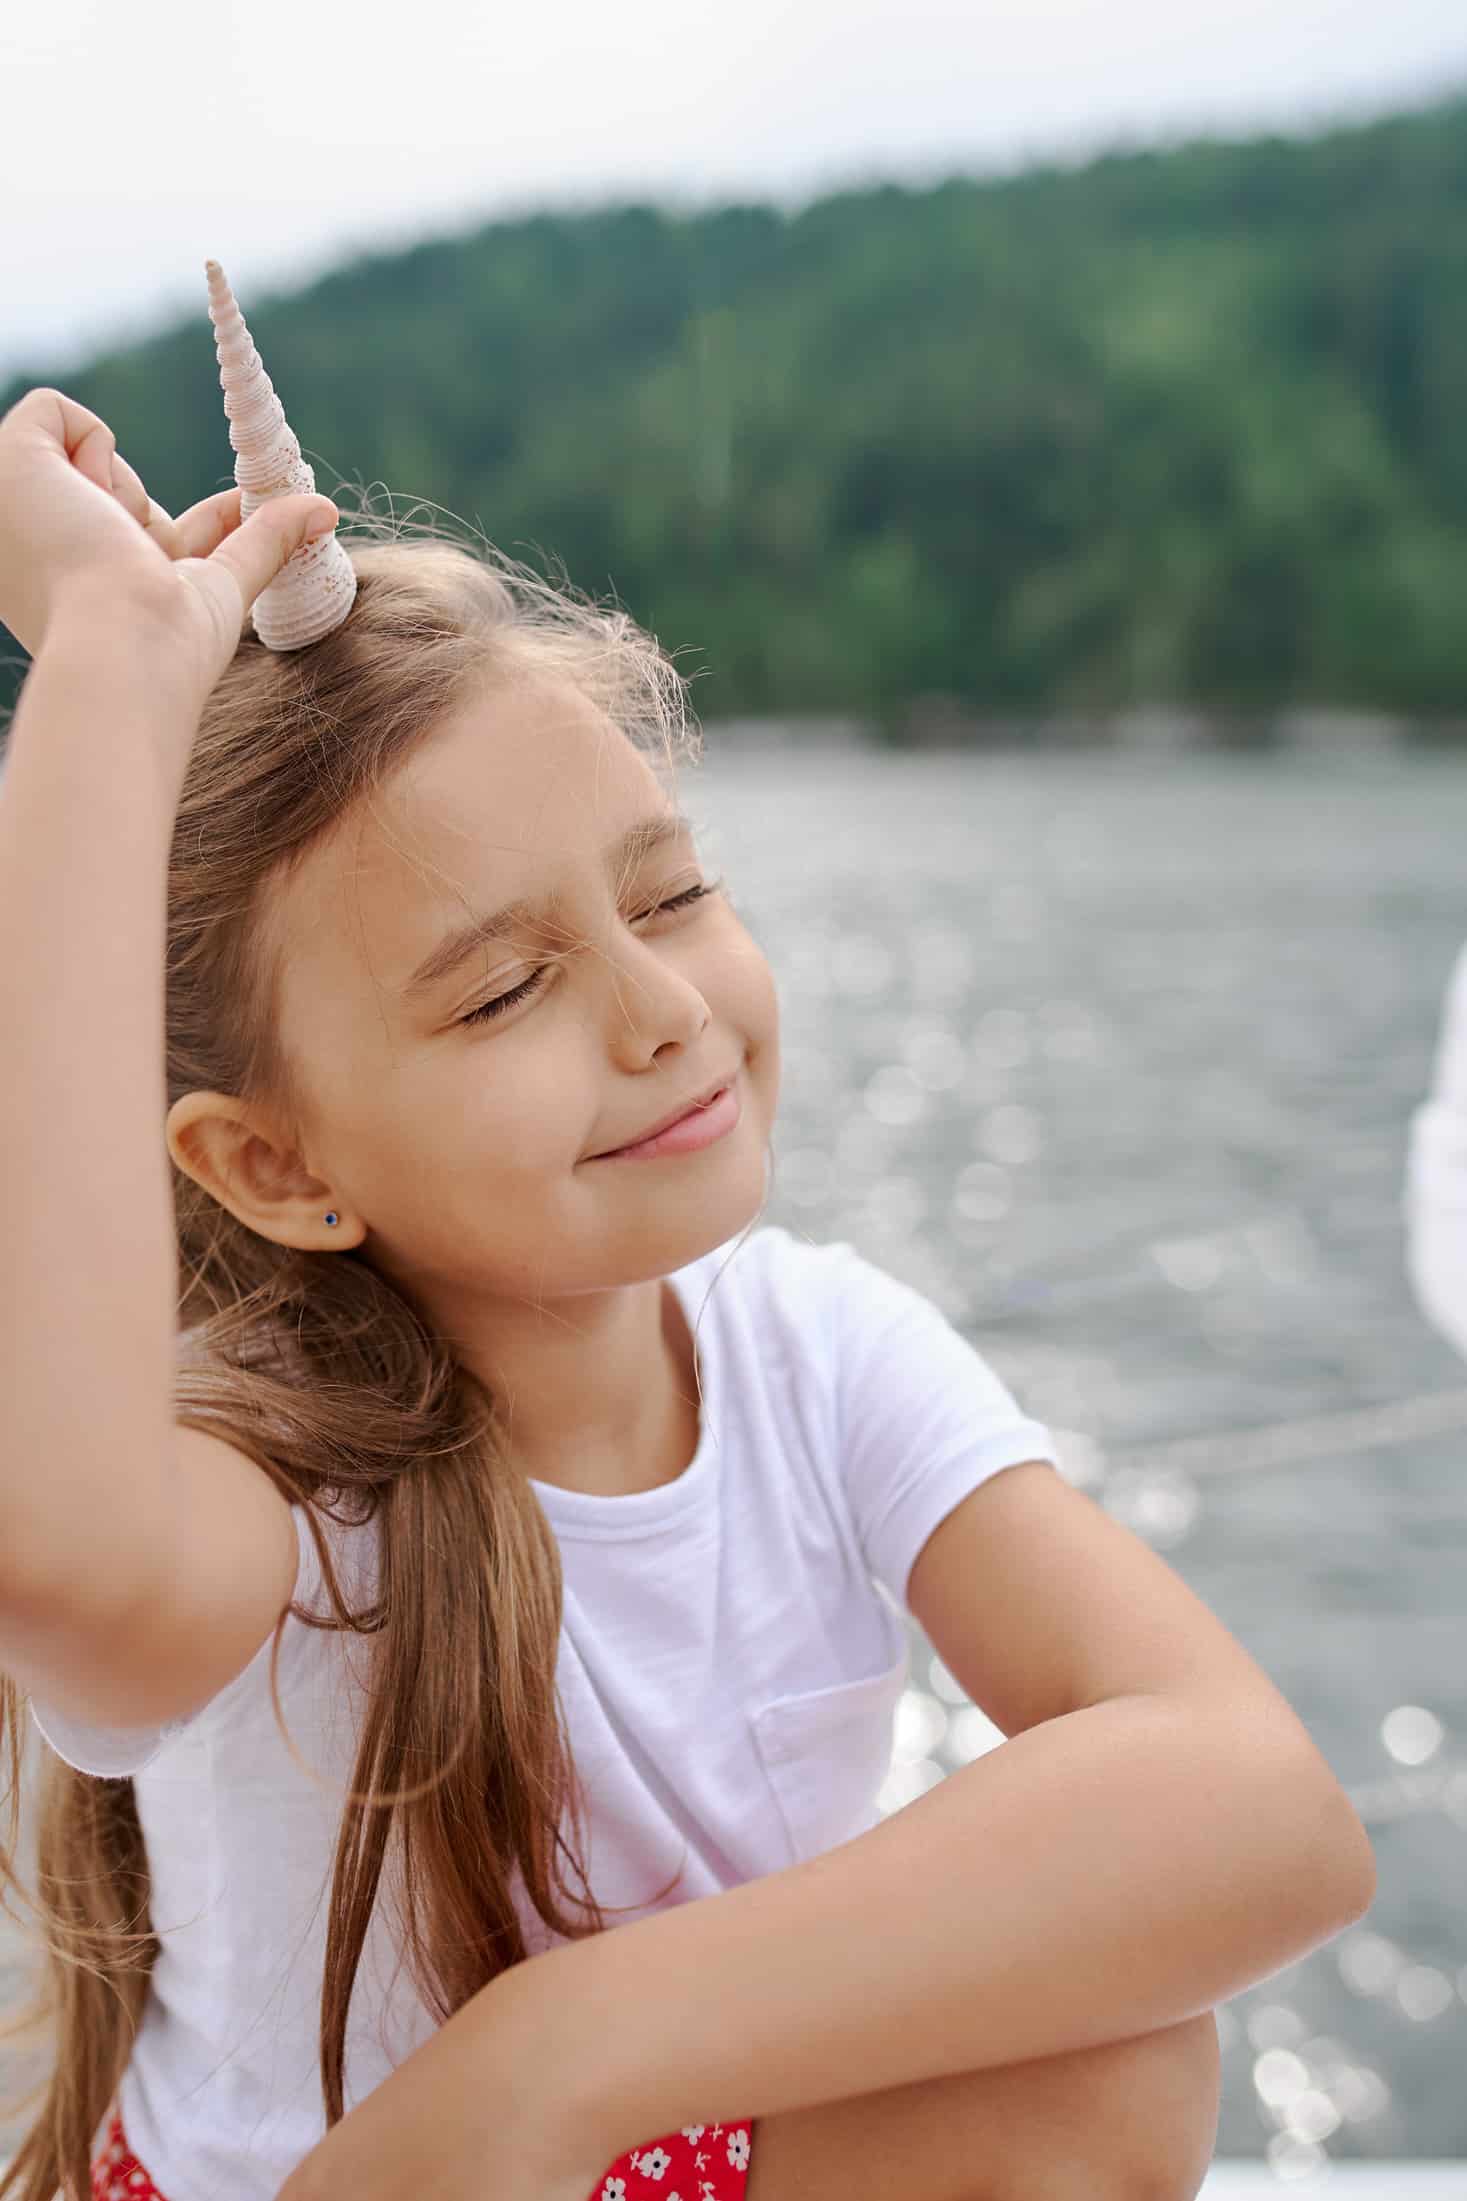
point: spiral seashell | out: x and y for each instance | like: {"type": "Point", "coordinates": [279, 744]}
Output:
{"type": "Point", "coordinates": [317, 587]}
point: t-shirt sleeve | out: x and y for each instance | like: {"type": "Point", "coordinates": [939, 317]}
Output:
{"type": "Point", "coordinates": [113, 1753]}
{"type": "Point", "coordinates": [922, 1417]}
{"type": "Point", "coordinates": [1436, 1178]}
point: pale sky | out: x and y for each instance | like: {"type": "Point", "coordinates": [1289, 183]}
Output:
{"type": "Point", "coordinates": [135, 141]}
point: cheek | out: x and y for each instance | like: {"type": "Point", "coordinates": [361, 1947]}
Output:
{"type": "Point", "coordinates": [751, 1006]}
{"type": "Point", "coordinates": [756, 998]}
{"type": "Point", "coordinates": [518, 1108]}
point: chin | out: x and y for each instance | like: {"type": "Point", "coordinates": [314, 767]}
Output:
{"type": "Point", "coordinates": [698, 1223]}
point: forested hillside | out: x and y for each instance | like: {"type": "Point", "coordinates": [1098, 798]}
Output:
{"type": "Point", "coordinates": [1176, 427]}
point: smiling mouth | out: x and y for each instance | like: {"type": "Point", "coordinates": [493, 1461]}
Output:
{"type": "Point", "coordinates": [645, 1138]}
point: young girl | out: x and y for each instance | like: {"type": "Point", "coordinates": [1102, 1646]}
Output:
{"type": "Point", "coordinates": [459, 1591]}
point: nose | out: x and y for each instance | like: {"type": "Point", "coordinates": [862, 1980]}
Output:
{"type": "Point", "coordinates": [651, 995]}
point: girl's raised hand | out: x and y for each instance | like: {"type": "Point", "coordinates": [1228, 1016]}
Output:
{"type": "Point", "coordinates": [78, 527]}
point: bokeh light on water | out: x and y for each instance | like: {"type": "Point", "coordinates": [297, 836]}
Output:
{"type": "Point", "coordinates": [1114, 1059]}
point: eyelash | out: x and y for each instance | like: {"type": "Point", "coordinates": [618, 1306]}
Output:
{"type": "Point", "coordinates": [497, 1007]}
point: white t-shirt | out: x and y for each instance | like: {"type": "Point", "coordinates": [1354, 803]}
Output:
{"type": "Point", "coordinates": [728, 1666]}
{"type": "Point", "coordinates": [1436, 1178]}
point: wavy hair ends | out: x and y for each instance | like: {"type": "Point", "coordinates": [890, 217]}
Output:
{"type": "Point", "coordinates": [327, 1376]}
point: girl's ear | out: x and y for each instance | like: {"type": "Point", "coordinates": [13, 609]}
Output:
{"type": "Point", "coordinates": [239, 1157]}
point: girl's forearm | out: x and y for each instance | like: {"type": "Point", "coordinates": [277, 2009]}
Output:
{"type": "Point", "coordinates": [1099, 1876]}
{"type": "Point", "coordinates": [87, 1294]}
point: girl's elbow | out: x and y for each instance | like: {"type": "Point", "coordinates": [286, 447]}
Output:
{"type": "Point", "coordinates": [1314, 1861]}
{"type": "Point", "coordinates": [1335, 1864]}
{"type": "Point", "coordinates": [1366, 1877]}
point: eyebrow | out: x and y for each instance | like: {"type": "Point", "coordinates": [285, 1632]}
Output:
{"type": "Point", "coordinates": [629, 850]}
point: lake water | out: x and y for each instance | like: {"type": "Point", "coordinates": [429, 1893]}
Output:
{"type": "Point", "coordinates": [1113, 1056]}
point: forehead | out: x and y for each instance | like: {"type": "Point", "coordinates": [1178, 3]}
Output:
{"type": "Point", "coordinates": [515, 794]}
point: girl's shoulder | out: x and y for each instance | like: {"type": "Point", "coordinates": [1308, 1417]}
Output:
{"type": "Point", "coordinates": [777, 1284]}
{"type": "Point", "coordinates": [814, 1280]}
{"type": "Point", "coordinates": [914, 1415]}
{"type": "Point", "coordinates": [828, 1307]}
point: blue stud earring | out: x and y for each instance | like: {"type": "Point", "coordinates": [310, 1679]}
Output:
{"type": "Point", "coordinates": [333, 1217]}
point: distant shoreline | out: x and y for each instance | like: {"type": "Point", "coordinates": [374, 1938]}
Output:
{"type": "Point", "coordinates": [945, 724]}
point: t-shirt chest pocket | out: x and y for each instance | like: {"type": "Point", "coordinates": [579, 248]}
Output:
{"type": "Point", "coordinates": [827, 1752]}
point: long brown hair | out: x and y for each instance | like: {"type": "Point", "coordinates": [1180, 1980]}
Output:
{"type": "Point", "coordinates": [326, 1375]}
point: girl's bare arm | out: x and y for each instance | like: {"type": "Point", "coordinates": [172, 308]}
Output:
{"type": "Point", "coordinates": [141, 1566]}
{"type": "Point", "coordinates": [1110, 1873]}
{"type": "Point", "coordinates": [87, 1290]}
{"type": "Point", "coordinates": [1134, 2120]}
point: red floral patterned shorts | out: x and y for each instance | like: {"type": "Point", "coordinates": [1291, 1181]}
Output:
{"type": "Point", "coordinates": [700, 2163]}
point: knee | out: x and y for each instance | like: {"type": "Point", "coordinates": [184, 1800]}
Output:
{"type": "Point", "coordinates": [1146, 2131]}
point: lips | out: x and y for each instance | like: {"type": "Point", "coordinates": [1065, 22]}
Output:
{"type": "Point", "coordinates": [665, 1123]}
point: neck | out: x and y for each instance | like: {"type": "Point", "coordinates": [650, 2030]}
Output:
{"type": "Point", "coordinates": [599, 1394]}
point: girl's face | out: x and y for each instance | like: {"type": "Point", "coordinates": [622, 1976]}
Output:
{"type": "Point", "coordinates": [457, 1145]}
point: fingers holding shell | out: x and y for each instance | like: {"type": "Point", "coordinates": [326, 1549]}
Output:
{"type": "Point", "coordinates": [198, 531]}
{"type": "Point", "coordinates": [203, 527]}
{"type": "Point", "coordinates": [165, 531]}
{"type": "Point", "coordinates": [195, 533]}
{"type": "Point", "coordinates": [127, 488]}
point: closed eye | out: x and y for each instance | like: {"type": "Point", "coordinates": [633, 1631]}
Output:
{"type": "Point", "coordinates": [522, 992]}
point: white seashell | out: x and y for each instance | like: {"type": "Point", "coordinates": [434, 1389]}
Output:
{"type": "Point", "coordinates": [317, 587]}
